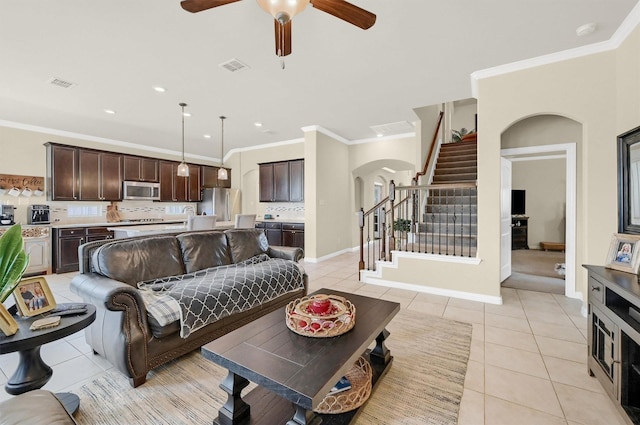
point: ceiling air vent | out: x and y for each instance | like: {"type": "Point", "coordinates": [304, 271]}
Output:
{"type": "Point", "coordinates": [234, 65]}
{"type": "Point", "coordinates": [400, 127]}
{"type": "Point", "coordinates": [60, 83]}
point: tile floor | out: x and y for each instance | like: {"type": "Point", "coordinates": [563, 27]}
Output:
{"type": "Point", "coordinates": [527, 364]}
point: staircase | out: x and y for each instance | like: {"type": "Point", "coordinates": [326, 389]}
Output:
{"type": "Point", "coordinates": [449, 222]}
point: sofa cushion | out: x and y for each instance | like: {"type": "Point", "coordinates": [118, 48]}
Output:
{"type": "Point", "coordinates": [132, 261]}
{"type": "Point", "coordinates": [246, 243]}
{"type": "Point", "coordinates": [34, 408]}
{"type": "Point", "coordinates": [203, 250]}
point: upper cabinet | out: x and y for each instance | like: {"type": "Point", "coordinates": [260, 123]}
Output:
{"type": "Point", "coordinates": [140, 169]}
{"type": "Point", "coordinates": [76, 174]}
{"type": "Point", "coordinates": [99, 176]}
{"type": "Point", "coordinates": [282, 181]}
{"type": "Point", "coordinates": [174, 188]}
{"type": "Point", "coordinates": [62, 173]}
{"type": "Point", "coordinates": [79, 174]}
{"type": "Point", "coordinates": [210, 177]}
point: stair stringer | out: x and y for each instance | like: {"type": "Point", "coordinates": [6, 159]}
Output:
{"type": "Point", "coordinates": [376, 277]}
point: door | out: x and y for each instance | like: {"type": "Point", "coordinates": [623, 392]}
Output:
{"type": "Point", "coordinates": [505, 219]}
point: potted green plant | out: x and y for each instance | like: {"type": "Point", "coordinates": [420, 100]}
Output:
{"type": "Point", "coordinates": [13, 262]}
{"type": "Point", "coordinates": [402, 225]}
{"type": "Point", "coordinates": [457, 135]}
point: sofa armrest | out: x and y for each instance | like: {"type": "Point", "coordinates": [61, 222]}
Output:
{"type": "Point", "coordinates": [286, 252]}
{"type": "Point", "coordinates": [120, 331]}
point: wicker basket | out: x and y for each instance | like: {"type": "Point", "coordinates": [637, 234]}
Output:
{"type": "Point", "coordinates": [340, 318]}
{"type": "Point", "coordinates": [360, 377]}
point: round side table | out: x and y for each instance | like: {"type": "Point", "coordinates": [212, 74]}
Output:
{"type": "Point", "coordinates": [32, 372]}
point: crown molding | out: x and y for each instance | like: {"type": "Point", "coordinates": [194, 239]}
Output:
{"type": "Point", "coordinates": [111, 142]}
{"type": "Point", "coordinates": [621, 34]}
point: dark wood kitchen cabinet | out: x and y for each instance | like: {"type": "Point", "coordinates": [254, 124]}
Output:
{"type": "Point", "coordinates": [210, 177]}
{"type": "Point", "coordinates": [175, 188]}
{"type": "Point", "coordinates": [99, 176]}
{"type": "Point", "coordinates": [140, 169]}
{"type": "Point", "coordinates": [296, 180]}
{"type": "Point", "coordinates": [283, 234]}
{"type": "Point", "coordinates": [282, 181]}
{"type": "Point", "coordinates": [293, 235]}
{"type": "Point", "coordinates": [65, 248]}
{"type": "Point", "coordinates": [62, 171]}
{"type": "Point", "coordinates": [66, 242]}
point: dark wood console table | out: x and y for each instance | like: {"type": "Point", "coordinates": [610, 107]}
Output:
{"type": "Point", "coordinates": [32, 372]}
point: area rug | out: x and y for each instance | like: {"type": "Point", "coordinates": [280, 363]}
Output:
{"type": "Point", "coordinates": [423, 386]}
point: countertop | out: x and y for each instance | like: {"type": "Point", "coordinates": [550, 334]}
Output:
{"type": "Point", "coordinates": [119, 223]}
{"type": "Point", "coordinates": [163, 227]}
{"type": "Point", "coordinates": [280, 220]}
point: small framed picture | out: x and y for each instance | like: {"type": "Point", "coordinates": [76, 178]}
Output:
{"type": "Point", "coordinates": [624, 253]}
{"type": "Point", "coordinates": [33, 296]}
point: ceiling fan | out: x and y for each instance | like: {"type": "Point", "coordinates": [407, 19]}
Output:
{"type": "Point", "coordinates": [284, 10]}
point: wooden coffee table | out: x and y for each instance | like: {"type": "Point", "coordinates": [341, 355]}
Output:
{"type": "Point", "coordinates": [294, 372]}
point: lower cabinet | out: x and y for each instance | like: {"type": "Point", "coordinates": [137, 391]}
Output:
{"type": "Point", "coordinates": [66, 242]}
{"type": "Point", "coordinates": [283, 234]}
{"type": "Point", "coordinates": [38, 251]}
{"type": "Point", "coordinates": [293, 235]}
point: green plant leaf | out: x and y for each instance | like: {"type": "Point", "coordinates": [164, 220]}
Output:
{"type": "Point", "coordinates": [13, 260]}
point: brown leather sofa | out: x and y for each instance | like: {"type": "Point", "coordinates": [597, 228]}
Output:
{"type": "Point", "coordinates": [123, 332]}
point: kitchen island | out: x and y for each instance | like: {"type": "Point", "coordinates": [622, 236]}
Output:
{"type": "Point", "coordinates": [120, 232]}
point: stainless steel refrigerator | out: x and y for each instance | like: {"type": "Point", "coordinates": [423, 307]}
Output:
{"type": "Point", "coordinates": [221, 202]}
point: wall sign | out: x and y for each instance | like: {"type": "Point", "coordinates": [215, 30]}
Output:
{"type": "Point", "coordinates": [9, 181]}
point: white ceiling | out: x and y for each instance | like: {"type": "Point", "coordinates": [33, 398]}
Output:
{"type": "Point", "coordinates": [338, 77]}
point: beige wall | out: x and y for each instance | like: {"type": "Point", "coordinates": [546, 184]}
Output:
{"type": "Point", "coordinates": [592, 90]}
{"type": "Point", "coordinates": [545, 183]}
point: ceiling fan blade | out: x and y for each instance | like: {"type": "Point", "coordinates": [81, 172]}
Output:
{"type": "Point", "coordinates": [283, 38]}
{"type": "Point", "coordinates": [347, 12]}
{"type": "Point", "coordinates": [194, 6]}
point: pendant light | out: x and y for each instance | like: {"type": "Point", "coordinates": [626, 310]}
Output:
{"type": "Point", "coordinates": [222, 172]}
{"type": "Point", "coordinates": [183, 169]}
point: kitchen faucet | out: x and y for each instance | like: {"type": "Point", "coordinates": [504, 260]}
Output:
{"type": "Point", "coordinates": [188, 209]}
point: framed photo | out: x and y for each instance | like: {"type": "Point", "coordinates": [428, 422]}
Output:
{"type": "Point", "coordinates": [33, 296]}
{"type": "Point", "coordinates": [624, 253]}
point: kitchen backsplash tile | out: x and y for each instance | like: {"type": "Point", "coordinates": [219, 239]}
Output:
{"type": "Point", "coordinates": [285, 210]}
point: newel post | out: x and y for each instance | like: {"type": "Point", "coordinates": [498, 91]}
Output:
{"type": "Point", "coordinates": [392, 199]}
{"type": "Point", "coordinates": [361, 224]}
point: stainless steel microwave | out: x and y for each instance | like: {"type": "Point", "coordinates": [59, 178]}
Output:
{"type": "Point", "coordinates": [141, 191]}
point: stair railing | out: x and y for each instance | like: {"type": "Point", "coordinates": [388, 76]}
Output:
{"type": "Point", "coordinates": [447, 227]}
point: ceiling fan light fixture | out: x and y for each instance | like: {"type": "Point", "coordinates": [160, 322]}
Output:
{"type": "Point", "coordinates": [283, 10]}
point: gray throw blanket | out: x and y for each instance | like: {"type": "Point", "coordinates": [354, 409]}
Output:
{"type": "Point", "coordinates": [211, 294]}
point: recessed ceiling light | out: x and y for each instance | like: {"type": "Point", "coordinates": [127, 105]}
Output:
{"type": "Point", "coordinates": [207, 136]}
{"type": "Point", "coordinates": [159, 89]}
{"type": "Point", "coordinates": [586, 29]}
{"type": "Point", "coordinates": [110, 111]}
{"type": "Point", "coordinates": [257, 124]}
{"type": "Point", "coordinates": [388, 170]}
{"type": "Point", "coordinates": [379, 135]}
{"type": "Point", "coordinates": [187, 114]}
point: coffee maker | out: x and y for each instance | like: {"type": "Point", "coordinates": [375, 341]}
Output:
{"type": "Point", "coordinates": [7, 215]}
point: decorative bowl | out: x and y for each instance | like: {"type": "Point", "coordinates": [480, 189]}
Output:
{"type": "Point", "coordinates": [335, 316]}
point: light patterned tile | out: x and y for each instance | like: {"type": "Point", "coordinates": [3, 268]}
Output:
{"type": "Point", "coordinates": [519, 388]}
{"type": "Point", "coordinates": [474, 379]}
{"type": "Point", "coordinates": [517, 360]}
{"type": "Point", "coordinates": [471, 408]}
{"type": "Point", "coordinates": [511, 323]}
{"type": "Point", "coordinates": [571, 373]}
{"type": "Point", "coordinates": [587, 407]}
{"type": "Point", "coordinates": [464, 315]}
{"type": "Point", "coordinates": [563, 349]}
{"type": "Point", "coordinates": [509, 338]}
{"type": "Point", "coordinates": [502, 412]}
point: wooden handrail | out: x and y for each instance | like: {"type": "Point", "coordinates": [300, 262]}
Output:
{"type": "Point", "coordinates": [433, 144]}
